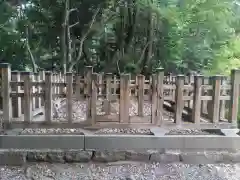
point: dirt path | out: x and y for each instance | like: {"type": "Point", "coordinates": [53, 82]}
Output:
{"type": "Point", "coordinates": [121, 171]}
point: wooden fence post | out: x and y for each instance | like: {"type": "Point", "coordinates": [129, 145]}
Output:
{"type": "Point", "coordinates": [22, 90]}
{"type": "Point", "coordinates": [88, 81]}
{"type": "Point", "coordinates": [100, 81]}
{"type": "Point", "coordinates": [233, 108]}
{"type": "Point", "coordinates": [173, 82]}
{"type": "Point", "coordinates": [204, 102]}
{"type": "Point", "coordinates": [38, 99]}
{"type": "Point", "coordinates": [16, 101]}
{"type": "Point", "coordinates": [6, 91]}
{"type": "Point", "coordinates": [115, 84]}
{"type": "Point", "coordinates": [190, 81]}
{"type": "Point", "coordinates": [210, 102]}
{"type": "Point", "coordinates": [186, 91]}
{"type": "Point", "coordinates": [58, 81]}
{"type": "Point", "coordinates": [169, 78]}
{"type": "Point", "coordinates": [216, 82]}
{"type": "Point", "coordinates": [107, 101]}
{"type": "Point", "coordinates": [48, 98]}
{"type": "Point", "coordinates": [62, 81]}
{"type": "Point", "coordinates": [197, 93]}
{"type": "Point", "coordinates": [191, 78]}
{"type": "Point", "coordinates": [54, 85]}
{"type": "Point", "coordinates": [154, 99]}
{"type": "Point", "coordinates": [94, 98]}
{"type": "Point", "coordinates": [33, 91]}
{"type": "Point", "coordinates": [69, 95]}
{"type": "Point", "coordinates": [150, 79]}
{"type": "Point", "coordinates": [42, 79]}
{"type": "Point", "coordinates": [136, 85]}
{"type": "Point", "coordinates": [223, 102]}
{"type": "Point", "coordinates": [28, 110]}
{"type": "Point", "coordinates": [160, 100]}
{"type": "Point", "coordinates": [124, 98]}
{"type": "Point", "coordinates": [78, 87]}
{"type": "Point", "coordinates": [167, 81]}
{"type": "Point", "coordinates": [179, 100]}
{"type": "Point", "coordinates": [140, 84]}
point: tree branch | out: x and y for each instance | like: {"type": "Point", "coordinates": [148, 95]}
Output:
{"type": "Point", "coordinates": [30, 52]}
{"type": "Point", "coordinates": [71, 26]}
{"type": "Point", "coordinates": [84, 38]}
{"type": "Point", "coordinates": [71, 10]}
{"type": "Point", "coordinates": [69, 42]}
{"type": "Point", "coordinates": [143, 52]}
{"type": "Point", "coordinates": [2, 25]}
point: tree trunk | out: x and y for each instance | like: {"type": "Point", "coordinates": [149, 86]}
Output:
{"type": "Point", "coordinates": [148, 53]}
{"type": "Point", "coordinates": [34, 65]}
{"type": "Point", "coordinates": [69, 47]}
{"type": "Point", "coordinates": [71, 62]}
{"type": "Point", "coordinates": [63, 37]}
{"type": "Point", "coordinates": [63, 49]}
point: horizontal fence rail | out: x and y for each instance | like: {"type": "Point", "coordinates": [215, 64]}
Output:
{"type": "Point", "coordinates": [202, 100]}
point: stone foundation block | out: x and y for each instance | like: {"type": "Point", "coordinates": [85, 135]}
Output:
{"type": "Point", "coordinates": [203, 157]}
{"type": "Point", "coordinates": [193, 158]}
{"type": "Point", "coordinates": [12, 158]}
{"type": "Point", "coordinates": [137, 156]}
{"type": "Point", "coordinates": [217, 157]}
{"type": "Point", "coordinates": [232, 157]}
{"type": "Point", "coordinates": [78, 156]}
{"type": "Point", "coordinates": [33, 156]}
{"type": "Point", "coordinates": [165, 158]}
{"type": "Point", "coordinates": [107, 156]}
{"type": "Point", "coordinates": [56, 156]}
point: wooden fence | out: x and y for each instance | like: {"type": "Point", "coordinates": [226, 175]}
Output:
{"type": "Point", "coordinates": [25, 94]}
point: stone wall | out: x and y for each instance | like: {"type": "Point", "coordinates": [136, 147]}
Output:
{"type": "Point", "coordinates": [19, 157]}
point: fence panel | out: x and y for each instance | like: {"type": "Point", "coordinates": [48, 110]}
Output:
{"type": "Point", "coordinates": [110, 99]}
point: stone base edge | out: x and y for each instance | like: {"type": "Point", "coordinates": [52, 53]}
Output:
{"type": "Point", "coordinates": [20, 157]}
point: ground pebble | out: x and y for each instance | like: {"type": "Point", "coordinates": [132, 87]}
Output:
{"type": "Point", "coordinates": [187, 132]}
{"type": "Point", "coordinates": [124, 131]}
{"type": "Point", "coordinates": [126, 171]}
{"type": "Point", "coordinates": [51, 131]}
{"type": "Point", "coordinates": [80, 107]}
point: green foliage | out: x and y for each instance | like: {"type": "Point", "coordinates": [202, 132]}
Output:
{"type": "Point", "coordinates": [226, 58]}
{"type": "Point", "coordinates": [134, 36]}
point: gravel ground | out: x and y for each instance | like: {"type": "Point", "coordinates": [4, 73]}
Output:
{"type": "Point", "coordinates": [79, 110]}
{"type": "Point", "coordinates": [39, 131]}
{"type": "Point", "coordinates": [125, 131]}
{"type": "Point", "coordinates": [136, 131]}
{"type": "Point", "coordinates": [52, 131]}
{"type": "Point", "coordinates": [193, 132]}
{"type": "Point", "coordinates": [120, 171]}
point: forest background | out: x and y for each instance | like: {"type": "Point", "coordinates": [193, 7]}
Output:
{"type": "Point", "coordinates": [121, 36]}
